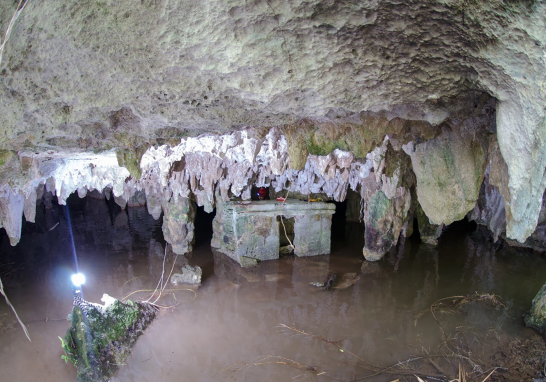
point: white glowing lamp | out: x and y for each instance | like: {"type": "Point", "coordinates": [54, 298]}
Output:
{"type": "Point", "coordinates": [78, 279]}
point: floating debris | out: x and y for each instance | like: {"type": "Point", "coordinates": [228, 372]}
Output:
{"type": "Point", "coordinates": [318, 284]}
{"type": "Point", "coordinates": [330, 281]}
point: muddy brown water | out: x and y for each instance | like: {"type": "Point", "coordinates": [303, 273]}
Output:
{"type": "Point", "coordinates": [231, 328]}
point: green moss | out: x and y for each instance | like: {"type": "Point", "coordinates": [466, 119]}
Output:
{"type": "Point", "coordinates": [319, 148]}
{"type": "Point", "coordinates": [537, 317]}
{"type": "Point", "coordinates": [5, 156]}
{"type": "Point", "coordinates": [130, 159]}
{"type": "Point", "coordinates": [378, 207]}
{"type": "Point", "coordinates": [98, 342]}
{"type": "Point", "coordinates": [297, 148]}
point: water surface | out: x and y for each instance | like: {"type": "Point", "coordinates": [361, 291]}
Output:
{"type": "Point", "coordinates": [240, 324]}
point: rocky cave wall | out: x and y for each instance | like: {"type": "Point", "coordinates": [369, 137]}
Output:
{"type": "Point", "coordinates": [426, 109]}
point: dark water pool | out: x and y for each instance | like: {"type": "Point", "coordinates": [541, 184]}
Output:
{"type": "Point", "coordinates": [265, 323]}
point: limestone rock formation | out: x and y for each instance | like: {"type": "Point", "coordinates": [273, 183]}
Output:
{"type": "Point", "coordinates": [178, 224]}
{"type": "Point", "coordinates": [537, 316]}
{"type": "Point", "coordinates": [167, 101]}
{"type": "Point", "coordinates": [449, 171]}
{"type": "Point", "coordinates": [27, 173]}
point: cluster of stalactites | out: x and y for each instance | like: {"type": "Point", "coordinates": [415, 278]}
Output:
{"type": "Point", "coordinates": [395, 182]}
{"type": "Point", "coordinates": [203, 168]}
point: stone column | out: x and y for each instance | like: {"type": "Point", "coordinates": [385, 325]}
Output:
{"type": "Point", "coordinates": [384, 221]}
{"type": "Point", "coordinates": [178, 224]}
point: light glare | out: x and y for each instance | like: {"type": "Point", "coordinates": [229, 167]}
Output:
{"type": "Point", "coordinates": [78, 279]}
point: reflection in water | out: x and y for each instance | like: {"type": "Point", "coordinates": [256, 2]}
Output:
{"type": "Point", "coordinates": [236, 314]}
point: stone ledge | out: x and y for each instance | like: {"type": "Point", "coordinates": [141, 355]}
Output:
{"type": "Point", "coordinates": [290, 207]}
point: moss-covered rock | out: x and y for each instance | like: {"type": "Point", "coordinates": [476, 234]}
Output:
{"type": "Point", "coordinates": [359, 136]}
{"type": "Point", "coordinates": [297, 147]}
{"type": "Point", "coordinates": [5, 156]}
{"type": "Point", "coordinates": [130, 159]}
{"type": "Point", "coordinates": [537, 317]}
{"type": "Point", "coordinates": [100, 339]}
{"type": "Point", "coordinates": [384, 220]}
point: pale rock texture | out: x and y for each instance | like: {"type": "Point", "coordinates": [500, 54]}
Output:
{"type": "Point", "coordinates": [489, 209]}
{"type": "Point", "coordinates": [11, 213]}
{"type": "Point", "coordinates": [449, 171]}
{"type": "Point", "coordinates": [178, 224]}
{"type": "Point", "coordinates": [87, 73]}
{"type": "Point", "coordinates": [522, 140]}
{"type": "Point", "coordinates": [514, 74]}
{"type": "Point", "coordinates": [386, 194]}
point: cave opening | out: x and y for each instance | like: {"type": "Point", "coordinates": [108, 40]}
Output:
{"type": "Point", "coordinates": [203, 226]}
{"type": "Point", "coordinates": [296, 95]}
{"type": "Point", "coordinates": [339, 220]}
{"type": "Point", "coordinates": [415, 235]}
{"type": "Point", "coordinates": [457, 229]}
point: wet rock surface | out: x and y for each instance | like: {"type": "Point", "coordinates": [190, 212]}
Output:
{"type": "Point", "coordinates": [101, 336]}
{"type": "Point", "coordinates": [537, 316]}
{"type": "Point", "coordinates": [189, 275]}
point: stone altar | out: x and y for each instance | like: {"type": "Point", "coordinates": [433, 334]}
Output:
{"type": "Point", "coordinates": [247, 232]}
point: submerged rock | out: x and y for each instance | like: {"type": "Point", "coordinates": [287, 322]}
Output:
{"type": "Point", "coordinates": [537, 316]}
{"type": "Point", "coordinates": [101, 337]}
{"type": "Point", "coordinates": [248, 262]}
{"type": "Point", "coordinates": [190, 275]}
{"type": "Point", "coordinates": [346, 280]}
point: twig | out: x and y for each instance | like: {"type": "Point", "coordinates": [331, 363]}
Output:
{"type": "Point", "coordinates": [165, 290]}
{"type": "Point", "coordinates": [272, 360]}
{"type": "Point", "coordinates": [14, 311]}
{"type": "Point", "coordinates": [14, 18]}
{"type": "Point", "coordinates": [308, 334]}
{"type": "Point", "coordinates": [282, 221]}
{"type": "Point", "coordinates": [128, 281]}
{"type": "Point", "coordinates": [492, 371]}
{"type": "Point", "coordinates": [334, 343]}
{"type": "Point", "coordinates": [160, 282]}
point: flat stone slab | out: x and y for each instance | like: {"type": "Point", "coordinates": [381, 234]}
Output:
{"type": "Point", "coordinates": [290, 208]}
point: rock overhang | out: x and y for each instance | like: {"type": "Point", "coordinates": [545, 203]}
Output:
{"type": "Point", "coordinates": [110, 74]}
{"type": "Point", "coordinates": [87, 71]}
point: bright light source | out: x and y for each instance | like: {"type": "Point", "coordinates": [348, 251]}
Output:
{"type": "Point", "coordinates": [78, 279]}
